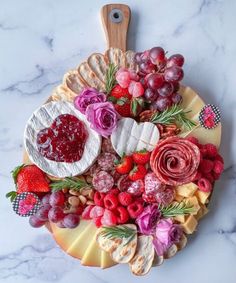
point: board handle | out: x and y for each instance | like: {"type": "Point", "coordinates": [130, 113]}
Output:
{"type": "Point", "coordinates": [115, 20]}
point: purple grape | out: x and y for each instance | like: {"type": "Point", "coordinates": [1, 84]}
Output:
{"type": "Point", "coordinates": [57, 199]}
{"type": "Point", "coordinates": [42, 213]}
{"type": "Point", "coordinates": [35, 222]}
{"type": "Point", "coordinates": [166, 89]}
{"type": "Point", "coordinates": [176, 98]}
{"type": "Point", "coordinates": [173, 74]}
{"type": "Point", "coordinates": [176, 86]}
{"type": "Point", "coordinates": [137, 57]}
{"type": "Point", "coordinates": [150, 95]}
{"type": "Point", "coordinates": [45, 199]}
{"type": "Point", "coordinates": [60, 224]}
{"type": "Point", "coordinates": [55, 214]}
{"type": "Point", "coordinates": [157, 55]}
{"type": "Point", "coordinates": [162, 103]}
{"type": "Point", "coordinates": [71, 220]}
{"type": "Point", "coordinates": [147, 67]}
{"type": "Point", "coordinates": [155, 81]}
{"type": "Point", "coordinates": [175, 60]}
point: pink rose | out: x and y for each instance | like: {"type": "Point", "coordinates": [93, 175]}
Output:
{"type": "Point", "coordinates": [147, 220]}
{"type": "Point", "coordinates": [167, 234]}
{"type": "Point", "coordinates": [103, 118]}
{"type": "Point", "coordinates": [88, 96]}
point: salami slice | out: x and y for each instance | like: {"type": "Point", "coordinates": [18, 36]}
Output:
{"type": "Point", "coordinates": [102, 182]}
{"type": "Point", "coordinates": [106, 161]}
{"type": "Point", "coordinates": [107, 146]}
{"type": "Point", "coordinates": [175, 161]}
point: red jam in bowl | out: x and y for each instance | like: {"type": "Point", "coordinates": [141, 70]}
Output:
{"type": "Point", "coordinates": [64, 141]}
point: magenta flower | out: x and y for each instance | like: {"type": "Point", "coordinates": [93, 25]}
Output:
{"type": "Point", "coordinates": [148, 219]}
{"type": "Point", "coordinates": [166, 235]}
{"type": "Point", "coordinates": [103, 118]}
{"type": "Point", "coordinates": [88, 96]}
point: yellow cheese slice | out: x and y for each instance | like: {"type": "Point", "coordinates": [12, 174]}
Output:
{"type": "Point", "coordinates": [202, 196]}
{"type": "Point", "coordinates": [192, 102]}
{"type": "Point", "coordinates": [193, 201]}
{"type": "Point", "coordinates": [180, 218]}
{"type": "Point", "coordinates": [203, 211]}
{"type": "Point", "coordinates": [186, 190]}
{"type": "Point", "coordinates": [93, 254]}
{"type": "Point", "coordinates": [189, 225]}
{"type": "Point", "coordinates": [106, 260]}
{"type": "Point", "coordinates": [178, 198]}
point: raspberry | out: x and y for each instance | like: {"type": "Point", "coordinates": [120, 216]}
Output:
{"type": "Point", "coordinates": [148, 198]}
{"type": "Point", "coordinates": [193, 140]}
{"type": "Point", "coordinates": [108, 218]}
{"type": "Point", "coordinates": [219, 158]}
{"type": "Point", "coordinates": [204, 185]}
{"type": "Point", "coordinates": [110, 201]}
{"type": "Point", "coordinates": [114, 191]}
{"type": "Point", "coordinates": [96, 211]}
{"type": "Point", "coordinates": [122, 215]}
{"type": "Point", "coordinates": [86, 212]}
{"type": "Point", "coordinates": [135, 209]}
{"type": "Point", "coordinates": [125, 198]}
{"type": "Point", "coordinates": [209, 177]}
{"type": "Point", "coordinates": [97, 221]}
{"type": "Point", "coordinates": [218, 167]}
{"type": "Point", "coordinates": [99, 198]}
{"type": "Point", "coordinates": [206, 166]}
{"type": "Point", "coordinates": [210, 150]}
{"type": "Point", "coordinates": [216, 176]}
{"type": "Point", "coordinates": [198, 176]}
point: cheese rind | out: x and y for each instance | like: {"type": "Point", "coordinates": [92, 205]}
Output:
{"type": "Point", "coordinates": [42, 118]}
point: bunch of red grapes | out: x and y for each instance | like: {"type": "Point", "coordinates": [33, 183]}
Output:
{"type": "Point", "coordinates": [160, 77]}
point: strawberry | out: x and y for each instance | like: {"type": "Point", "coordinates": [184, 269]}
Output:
{"type": "Point", "coordinates": [29, 178]}
{"type": "Point", "coordinates": [141, 157]}
{"type": "Point", "coordinates": [121, 100]}
{"type": "Point", "coordinates": [138, 172]}
{"type": "Point", "coordinates": [125, 165]}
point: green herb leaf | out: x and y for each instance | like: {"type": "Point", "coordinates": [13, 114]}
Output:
{"type": "Point", "coordinates": [175, 209]}
{"type": "Point", "coordinates": [110, 77]}
{"type": "Point", "coordinates": [112, 99]}
{"type": "Point", "coordinates": [69, 183]}
{"type": "Point", "coordinates": [11, 195]}
{"type": "Point", "coordinates": [121, 101]}
{"type": "Point", "coordinates": [122, 232]}
{"type": "Point", "coordinates": [134, 107]}
{"type": "Point", "coordinates": [16, 171]}
{"type": "Point", "coordinates": [173, 114]}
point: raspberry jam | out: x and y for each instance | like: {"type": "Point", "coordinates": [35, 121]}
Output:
{"type": "Point", "coordinates": [64, 141]}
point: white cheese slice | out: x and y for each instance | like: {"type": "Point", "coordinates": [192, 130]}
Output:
{"type": "Point", "coordinates": [131, 136]}
{"type": "Point", "coordinates": [42, 118]}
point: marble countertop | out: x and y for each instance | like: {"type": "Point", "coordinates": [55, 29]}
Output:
{"type": "Point", "coordinates": [39, 41]}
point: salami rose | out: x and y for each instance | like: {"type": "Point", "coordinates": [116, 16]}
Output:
{"type": "Point", "coordinates": [175, 161]}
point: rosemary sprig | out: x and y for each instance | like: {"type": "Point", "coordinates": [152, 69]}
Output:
{"type": "Point", "coordinates": [110, 77]}
{"type": "Point", "coordinates": [70, 183]}
{"type": "Point", "coordinates": [175, 209]}
{"type": "Point", "coordinates": [173, 114]}
{"type": "Point", "coordinates": [122, 232]}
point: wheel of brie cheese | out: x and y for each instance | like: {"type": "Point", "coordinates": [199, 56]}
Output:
{"type": "Point", "coordinates": [123, 158]}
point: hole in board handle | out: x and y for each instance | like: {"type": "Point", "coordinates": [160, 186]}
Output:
{"type": "Point", "coordinates": [116, 16]}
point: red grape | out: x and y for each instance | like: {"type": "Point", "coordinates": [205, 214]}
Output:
{"type": "Point", "coordinates": [144, 56]}
{"type": "Point", "coordinates": [157, 55]}
{"type": "Point", "coordinates": [155, 81]}
{"type": "Point", "coordinates": [35, 222]}
{"type": "Point", "coordinates": [55, 214]}
{"type": "Point", "coordinates": [166, 89]}
{"type": "Point", "coordinates": [147, 67]}
{"type": "Point", "coordinates": [42, 213]}
{"type": "Point", "coordinates": [60, 224]}
{"type": "Point", "coordinates": [137, 57]}
{"type": "Point", "coordinates": [173, 74]}
{"type": "Point", "coordinates": [45, 199]}
{"type": "Point", "coordinates": [57, 199]}
{"type": "Point", "coordinates": [176, 86]}
{"type": "Point", "coordinates": [176, 98]}
{"type": "Point", "coordinates": [175, 60]}
{"type": "Point", "coordinates": [71, 221]}
{"type": "Point", "coordinates": [162, 103]}
{"type": "Point", "coordinates": [150, 95]}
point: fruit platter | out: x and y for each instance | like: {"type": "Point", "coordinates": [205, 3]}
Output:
{"type": "Point", "coordinates": [121, 161]}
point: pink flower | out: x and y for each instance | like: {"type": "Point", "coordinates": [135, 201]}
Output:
{"type": "Point", "coordinates": [103, 118]}
{"type": "Point", "coordinates": [88, 96]}
{"type": "Point", "coordinates": [166, 234]}
{"type": "Point", "coordinates": [147, 220]}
